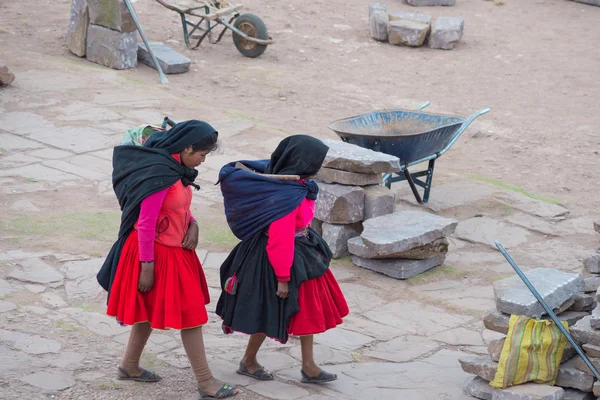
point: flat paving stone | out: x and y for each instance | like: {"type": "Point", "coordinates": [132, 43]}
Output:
{"type": "Point", "coordinates": [30, 344]}
{"type": "Point", "coordinates": [459, 337]}
{"type": "Point", "coordinates": [39, 172]}
{"type": "Point", "coordinates": [13, 142]}
{"type": "Point", "coordinates": [214, 260]}
{"type": "Point", "coordinates": [324, 355]}
{"type": "Point", "coordinates": [486, 230]}
{"type": "Point", "coordinates": [81, 172]}
{"type": "Point", "coordinates": [278, 390]}
{"type": "Point", "coordinates": [48, 381]}
{"type": "Point", "coordinates": [342, 339]}
{"type": "Point", "coordinates": [84, 111]}
{"type": "Point", "coordinates": [5, 288]}
{"type": "Point", "coordinates": [357, 323]}
{"type": "Point", "coordinates": [70, 138]}
{"type": "Point", "coordinates": [36, 310]}
{"type": "Point", "coordinates": [68, 360]}
{"type": "Point", "coordinates": [555, 287]}
{"type": "Point", "coordinates": [360, 298]}
{"type": "Point", "coordinates": [531, 206]}
{"type": "Point", "coordinates": [6, 306]}
{"type": "Point", "coordinates": [403, 349]}
{"type": "Point", "coordinates": [36, 271]}
{"type": "Point", "coordinates": [555, 253]}
{"type": "Point", "coordinates": [529, 391]}
{"type": "Point", "coordinates": [97, 323]}
{"type": "Point", "coordinates": [24, 123]}
{"type": "Point", "coordinates": [53, 300]}
{"type": "Point", "coordinates": [411, 317]}
{"type": "Point", "coordinates": [535, 224]}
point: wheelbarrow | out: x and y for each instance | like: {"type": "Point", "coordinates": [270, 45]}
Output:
{"type": "Point", "coordinates": [413, 136]}
{"type": "Point", "coordinates": [250, 34]}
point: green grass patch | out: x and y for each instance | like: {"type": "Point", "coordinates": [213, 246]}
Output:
{"type": "Point", "coordinates": [219, 235]}
{"type": "Point", "coordinates": [515, 189]}
{"type": "Point", "coordinates": [435, 274]}
{"type": "Point", "coordinates": [94, 226]}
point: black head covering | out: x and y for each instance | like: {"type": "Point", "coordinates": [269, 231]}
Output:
{"type": "Point", "coordinates": [140, 171]}
{"type": "Point", "coordinates": [298, 155]}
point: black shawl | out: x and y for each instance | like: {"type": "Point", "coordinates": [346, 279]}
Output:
{"type": "Point", "coordinates": [141, 171]}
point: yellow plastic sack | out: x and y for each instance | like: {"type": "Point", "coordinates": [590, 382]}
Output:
{"type": "Point", "coordinates": [531, 353]}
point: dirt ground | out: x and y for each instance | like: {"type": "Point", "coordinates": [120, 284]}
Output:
{"type": "Point", "coordinates": [533, 63]}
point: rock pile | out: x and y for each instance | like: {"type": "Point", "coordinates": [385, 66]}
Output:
{"type": "Point", "coordinates": [403, 244]}
{"type": "Point", "coordinates": [411, 29]}
{"type": "Point", "coordinates": [350, 192]}
{"type": "Point", "coordinates": [567, 295]}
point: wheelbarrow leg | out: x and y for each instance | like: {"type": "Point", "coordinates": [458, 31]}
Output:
{"type": "Point", "coordinates": [413, 187]}
{"type": "Point", "coordinates": [428, 180]}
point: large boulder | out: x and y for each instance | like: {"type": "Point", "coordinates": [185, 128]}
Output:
{"type": "Point", "coordinates": [555, 287]}
{"type": "Point", "coordinates": [111, 48]}
{"type": "Point", "coordinates": [349, 157]}
{"type": "Point", "coordinates": [445, 32]}
{"type": "Point", "coordinates": [78, 26]}
{"type": "Point", "coordinates": [338, 204]}
{"type": "Point", "coordinates": [112, 14]}
{"type": "Point", "coordinates": [407, 33]}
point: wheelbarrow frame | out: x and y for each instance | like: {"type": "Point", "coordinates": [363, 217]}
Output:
{"type": "Point", "coordinates": [206, 19]}
{"type": "Point", "coordinates": [413, 178]}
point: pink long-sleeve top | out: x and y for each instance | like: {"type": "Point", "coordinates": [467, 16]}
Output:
{"type": "Point", "coordinates": [282, 236]}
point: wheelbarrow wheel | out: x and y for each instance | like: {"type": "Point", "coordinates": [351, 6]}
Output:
{"type": "Point", "coordinates": [252, 26]}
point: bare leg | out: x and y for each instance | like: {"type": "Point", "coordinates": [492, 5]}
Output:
{"type": "Point", "coordinates": [249, 360]}
{"type": "Point", "coordinates": [308, 362]}
{"type": "Point", "coordinates": [137, 341]}
{"type": "Point", "coordinates": [193, 343]}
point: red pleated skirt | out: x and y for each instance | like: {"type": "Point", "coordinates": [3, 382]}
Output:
{"type": "Point", "coordinates": [322, 306]}
{"type": "Point", "coordinates": [178, 297]}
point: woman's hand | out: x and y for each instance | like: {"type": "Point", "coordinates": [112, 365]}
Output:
{"type": "Point", "coordinates": [146, 279]}
{"type": "Point", "coordinates": [283, 290]}
{"type": "Point", "coordinates": [190, 240]}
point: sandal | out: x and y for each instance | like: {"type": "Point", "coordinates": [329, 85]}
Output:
{"type": "Point", "coordinates": [145, 376]}
{"type": "Point", "coordinates": [323, 377]}
{"type": "Point", "coordinates": [261, 374]}
{"type": "Point", "coordinates": [225, 392]}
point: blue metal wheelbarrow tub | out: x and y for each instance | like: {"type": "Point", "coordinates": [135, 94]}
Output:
{"type": "Point", "coordinates": [412, 136]}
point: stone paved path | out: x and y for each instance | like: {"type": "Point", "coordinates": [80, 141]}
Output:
{"type": "Point", "coordinates": [402, 339]}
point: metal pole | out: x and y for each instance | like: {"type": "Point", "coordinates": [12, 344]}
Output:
{"type": "Point", "coordinates": [548, 309]}
{"type": "Point", "coordinates": [163, 78]}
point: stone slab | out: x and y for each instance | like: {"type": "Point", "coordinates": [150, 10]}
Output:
{"type": "Point", "coordinates": [402, 349]}
{"type": "Point", "coordinates": [169, 60]}
{"type": "Point", "coordinates": [377, 6]}
{"type": "Point", "coordinates": [349, 157]}
{"type": "Point", "coordinates": [399, 268]}
{"type": "Point", "coordinates": [592, 263]}
{"type": "Point", "coordinates": [379, 200]}
{"type": "Point", "coordinates": [358, 248]}
{"type": "Point", "coordinates": [479, 388]}
{"type": "Point", "coordinates": [407, 33]}
{"type": "Point", "coordinates": [452, 195]}
{"type": "Point", "coordinates": [482, 366]}
{"type": "Point", "coordinates": [78, 25]}
{"type": "Point", "coordinates": [110, 48]}
{"type": "Point", "coordinates": [339, 204]}
{"type": "Point", "coordinates": [30, 344]}
{"type": "Point", "coordinates": [343, 339]}
{"type": "Point", "coordinates": [596, 389]}
{"type": "Point", "coordinates": [591, 350]}
{"type": "Point", "coordinates": [329, 175]}
{"type": "Point", "coordinates": [279, 390]}
{"type": "Point", "coordinates": [591, 284]}
{"type": "Point", "coordinates": [555, 287]}
{"type": "Point", "coordinates": [48, 381]}
{"type": "Point", "coordinates": [583, 302]}
{"type": "Point", "coordinates": [378, 21]}
{"type": "Point", "coordinates": [112, 14]}
{"type": "Point", "coordinates": [529, 391]}
{"type": "Point", "coordinates": [581, 365]}
{"type": "Point", "coordinates": [595, 320]}
{"type": "Point", "coordinates": [430, 3]}
{"type": "Point", "coordinates": [459, 337]}
{"type": "Point", "coordinates": [486, 230]}
{"type": "Point", "coordinates": [6, 76]}
{"type": "Point", "coordinates": [403, 231]}
{"type": "Point", "coordinates": [6, 306]}
{"type": "Point", "coordinates": [337, 236]}
{"type": "Point", "coordinates": [531, 206]}
{"type": "Point", "coordinates": [12, 142]}
{"type": "Point", "coordinates": [535, 224]}
{"type": "Point", "coordinates": [36, 271]}
{"type": "Point", "coordinates": [39, 173]}
{"type": "Point", "coordinates": [571, 377]}
{"type": "Point", "coordinates": [445, 32]}
{"type": "Point", "coordinates": [406, 16]}
{"type": "Point", "coordinates": [574, 394]}
{"type": "Point", "coordinates": [69, 138]}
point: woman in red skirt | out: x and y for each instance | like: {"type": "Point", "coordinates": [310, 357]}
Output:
{"type": "Point", "coordinates": [152, 274]}
{"type": "Point", "coordinates": [277, 281]}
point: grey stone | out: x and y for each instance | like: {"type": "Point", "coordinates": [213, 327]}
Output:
{"type": "Point", "coordinates": [438, 247]}
{"type": "Point", "coordinates": [343, 339]}
{"type": "Point", "coordinates": [566, 305]}
{"type": "Point", "coordinates": [112, 14]}
{"type": "Point", "coordinates": [591, 3]}
{"type": "Point", "coordinates": [591, 350]}
{"type": "Point", "coordinates": [30, 344]}
{"type": "Point", "coordinates": [48, 381]}
{"type": "Point", "coordinates": [5, 288]}
{"type": "Point", "coordinates": [53, 300]}
{"type": "Point", "coordinates": [376, 6]}
{"type": "Point", "coordinates": [479, 388]}
{"type": "Point", "coordinates": [78, 26]}
{"type": "Point", "coordinates": [379, 201]}
{"type": "Point", "coordinates": [97, 323]}
{"type": "Point", "coordinates": [407, 33]}
{"type": "Point", "coordinates": [279, 390]}
{"type": "Point", "coordinates": [398, 16]}
{"type": "Point", "coordinates": [531, 206]}
{"type": "Point", "coordinates": [529, 391]}
{"type": "Point", "coordinates": [402, 349]}
{"type": "Point", "coordinates": [574, 394]}
{"type": "Point", "coordinates": [581, 365]}
{"type": "Point", "coordinates": [169, 60]}
{"type": "Point", "coordinates": [597, 226]}
{"type": "Point", "coordinates": [482, 366]}
{"type": "Point", "coordinates": [584, 302]}
{"type": "Point", "coordinates": [111, 48]}
{"type": "Point", "coordinates": [24, 205]}
{"type": "Point", "coordinates": [555, 287]}
{"type": "Point", "coordinates": [445, 32]}
{"type": "Point", "coordinates": [329, 175]}
{"type": "Point", "coordinates": [495, 348]}
{"type": "Point", "coordinates": [337, 236]}
{"type": "Point", "coordinates": [6, 306]}
{"type": "Point", "coordinates": [591, 284]}
{"type": "Point", "coordinates": [323, 355]}
{"type": "Point", "coordinates": [459, 337]}
{"type": "Point", "coordinates": [6, 76]}
{"type": "Point", "coordinates": [596, 388]}
{"type": "Point", "coordinates": [427, 3]}
{"type": "Point", "coordinates": [487, 230]}
{"type": "Point", "coordinates": [338, 204]}
{"type": "Point", "coordinates": [399, 268]}
{"type": "Point", "coordinates": [595, 320]}
{"type": "Point", "coordinates": [378, 21]}
{"type": "Point", "coordinates": [592, 263]}
{"type": "Point", "coordinates": [349, 157]}
{"type": "Point", "coordinates": [317, 226]}
{"type": "Point", "coordinates": [571, 377]}
{"type": "Point", "coordinates": [36, 271]}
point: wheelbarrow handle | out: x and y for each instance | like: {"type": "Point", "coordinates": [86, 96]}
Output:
{"type": "Point", "coordinates": [422, 106]}
{"type": "Point", "coordinates": [464, 126]}
{"type": "Point", "coordinates": [168, 121]}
